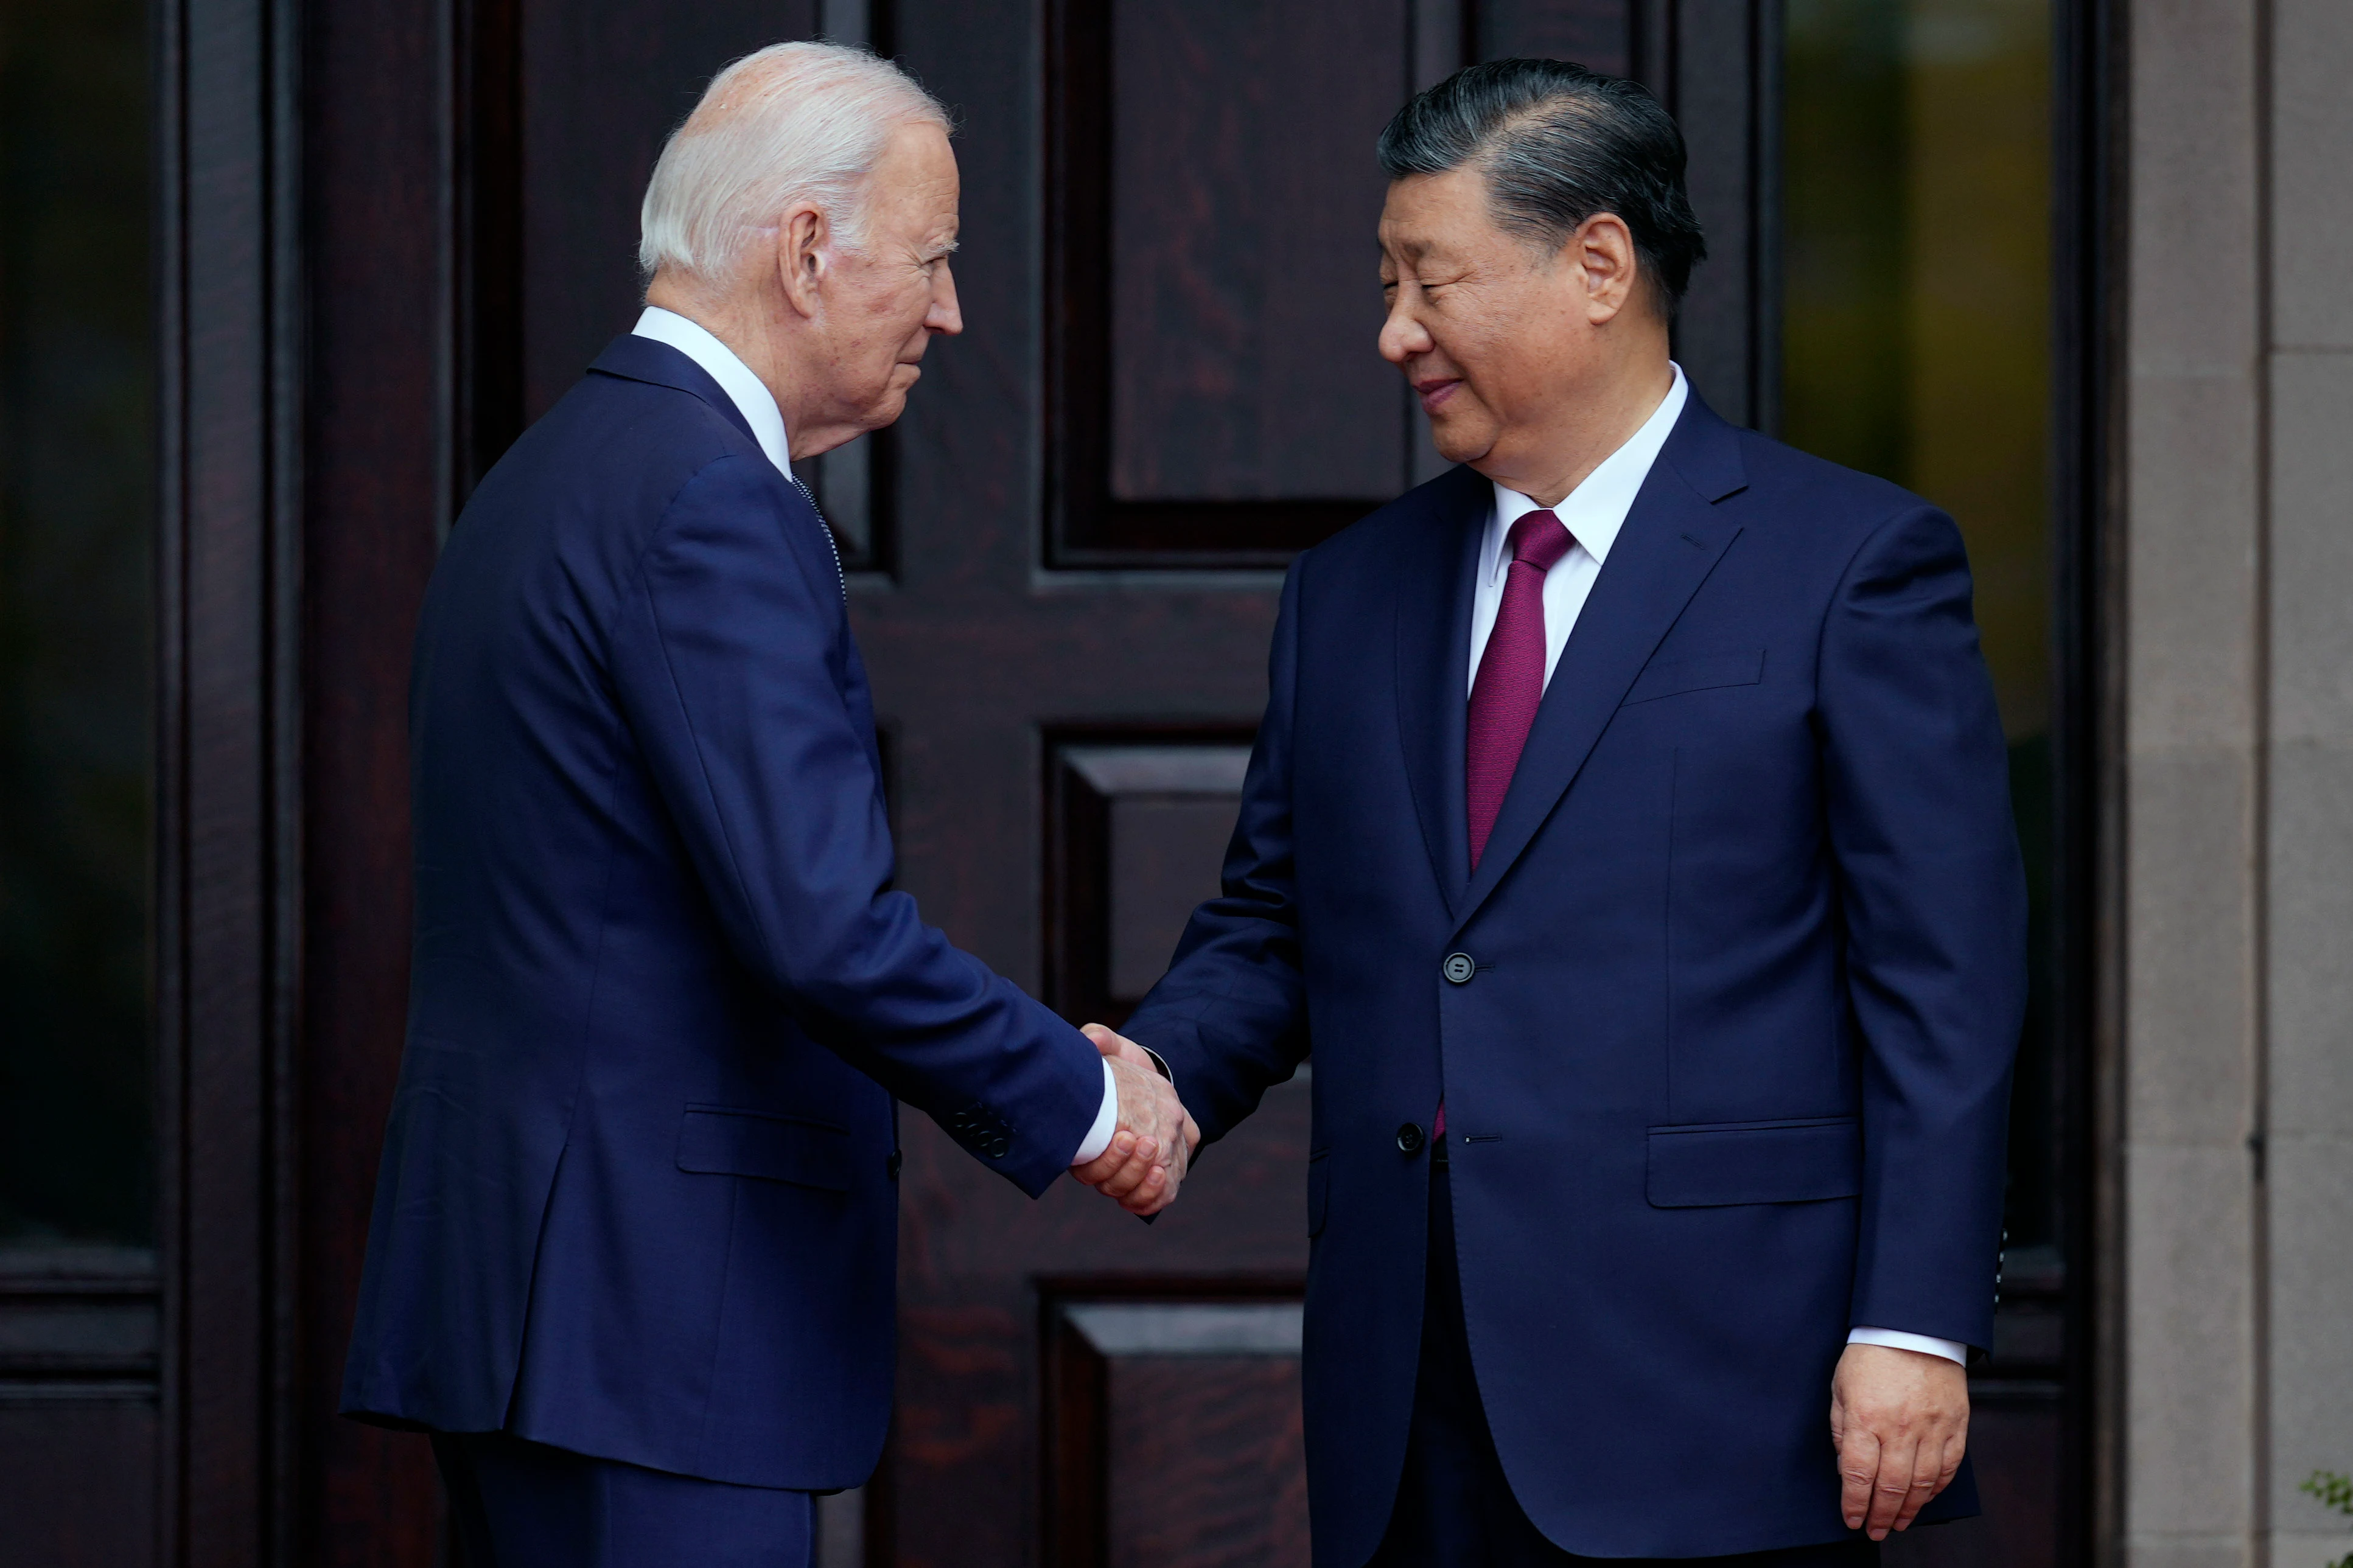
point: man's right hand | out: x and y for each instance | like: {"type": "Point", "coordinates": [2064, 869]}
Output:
{"type": "Point", "coordinates": [1155, 1139]}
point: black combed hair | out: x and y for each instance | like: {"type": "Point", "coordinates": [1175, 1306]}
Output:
{"type": "Point", "coordinates": [1557, 143]}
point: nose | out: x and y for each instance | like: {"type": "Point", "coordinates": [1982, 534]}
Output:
{"type": "Point", "coordinates": [945, 316]}
{"type": "Point", "coordinates": [1402, 334]}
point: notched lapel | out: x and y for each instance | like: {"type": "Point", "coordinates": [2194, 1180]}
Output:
{"type": "Point", "coordinates": [1672, 539]}
{"type": "Point", "coordinates": [1432, 645]}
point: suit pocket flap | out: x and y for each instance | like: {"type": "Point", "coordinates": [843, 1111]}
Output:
{"type": "Point", "coordinates": [1697, 673]}
{"type": "Point", "coordinates": [718, 1141]}
{"type": "Point", "coordinates": [1754, 1163]}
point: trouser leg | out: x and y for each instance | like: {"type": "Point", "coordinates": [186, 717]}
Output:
{"type": "Point", "coordinates": [519, 1504]}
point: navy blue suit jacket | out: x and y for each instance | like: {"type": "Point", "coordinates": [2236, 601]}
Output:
{"type": "Point", "coordinates": [638, 1193]}
{"type": "Point", "coordinates": [1731, 1074]}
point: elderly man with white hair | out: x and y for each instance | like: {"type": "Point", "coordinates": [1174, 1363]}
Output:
{"type": "Point", "coordinates": [631, 1262]}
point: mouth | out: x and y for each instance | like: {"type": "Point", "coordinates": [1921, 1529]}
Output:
{"type": "Point", "coordinates": [1436, 392]}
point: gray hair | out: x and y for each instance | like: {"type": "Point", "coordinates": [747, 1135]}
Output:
{"type": "Point", "coordinates": [790, 123]}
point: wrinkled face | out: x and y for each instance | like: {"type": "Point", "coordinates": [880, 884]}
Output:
{"type": "Point", "coordinates": [885, 302]}
{"type": "Point", "coordinates": [1492, 335]}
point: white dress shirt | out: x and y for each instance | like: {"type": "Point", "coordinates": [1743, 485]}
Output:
{"type": "Point", "coordinates": [750, 394]}
{"type": "Point", "coordinates": [758, 406]}
{"type": "Point", "coordinates": [1593, 513]}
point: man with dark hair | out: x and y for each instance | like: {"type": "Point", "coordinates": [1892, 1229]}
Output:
{"type": "Point", "coordinates": [1628, 836]}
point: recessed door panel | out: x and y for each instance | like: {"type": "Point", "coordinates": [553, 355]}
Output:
{"type": "Point", "coordinates": [1213, 302]}
{"type": "Point", "coordinates": [1243, 196]}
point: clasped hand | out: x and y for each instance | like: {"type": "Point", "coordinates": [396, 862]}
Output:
{"type": "Point", "coordinates": [1154, 1144]}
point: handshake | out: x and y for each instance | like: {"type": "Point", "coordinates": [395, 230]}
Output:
{"type": "Point", "coordinates": [1155, 1139]}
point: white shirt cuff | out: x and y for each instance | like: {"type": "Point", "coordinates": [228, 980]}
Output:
{"type": "Point", "coordinates": [1098, 1137]}
{"type": "Point", "coordinates": [1897, 1338]}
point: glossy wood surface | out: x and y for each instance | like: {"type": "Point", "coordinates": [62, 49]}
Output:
{"type": "Point", "coordinates": [1244, 300]}
{"type": "Point", "coordinates": [381, 434]}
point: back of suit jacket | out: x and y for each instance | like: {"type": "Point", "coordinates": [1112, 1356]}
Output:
{"type": "Point", "coordinates": [637, 1197]}
{"type": "Point", "coordinates": [1722, 1021]}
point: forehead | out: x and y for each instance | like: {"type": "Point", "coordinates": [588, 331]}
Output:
{"type": "Point", "coordinates": [914, 181]}
{"type": "Point", "coordinates": [917, 160]}
{"type": "Point", "coordinates": [1428, 215]}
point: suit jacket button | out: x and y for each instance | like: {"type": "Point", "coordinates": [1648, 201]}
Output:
{"type": "Point", "coordinates": [1458, 968]}
{"type": "Point", "coordinates": [1409, 1139]}
{"type": "Point", "coordinates": [890, 1166]}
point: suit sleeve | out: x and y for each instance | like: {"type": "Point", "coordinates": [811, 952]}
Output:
{"type": "Point", "coordinates": [1230, 1016]}
{"type": "Point", "coordinates": [729, 663]}
{"type": "Point", "coordinates": [1934, 898]}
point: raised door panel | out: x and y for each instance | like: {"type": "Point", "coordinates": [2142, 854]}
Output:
{"type": "Point", "coordinates": [1173, 1432]}
{"type": "Point", "coordinates": [1137, 822]}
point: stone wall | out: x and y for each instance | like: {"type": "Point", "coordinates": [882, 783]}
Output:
{"type": "Point", "coordinates": [2233, 1131]}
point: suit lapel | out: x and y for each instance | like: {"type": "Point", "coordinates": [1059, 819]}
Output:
{"type": "Point", "coordinates": [1672, 539]}
{"type": "Point", "coordinates": [1432, 643]}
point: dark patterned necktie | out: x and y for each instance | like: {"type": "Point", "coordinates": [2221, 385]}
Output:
{"type": "Point", "coordinates": [826, 529]}
{"type": "Point", "coordinates": [1510, 685]}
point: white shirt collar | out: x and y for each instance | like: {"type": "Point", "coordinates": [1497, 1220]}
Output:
{"type": "Point", "coordinates": [751, 396]}
{"type": "Point", "coordinates": [1595, 510]}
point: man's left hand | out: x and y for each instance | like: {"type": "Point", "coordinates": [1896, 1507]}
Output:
{"type": "Point", "coordinates": [1901, 1421]}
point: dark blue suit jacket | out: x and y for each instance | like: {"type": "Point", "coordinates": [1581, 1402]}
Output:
{"type": "Point", "coordinates": [638, 1195]}
{"type": "Point", "coordinates": [1731, 1074]}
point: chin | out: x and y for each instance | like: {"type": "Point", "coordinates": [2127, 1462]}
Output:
{"type": "Point", "coordinates": [1458, 444]}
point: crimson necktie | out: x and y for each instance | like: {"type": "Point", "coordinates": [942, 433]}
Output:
{"type": "Point", "coordinates": [1511, 681]}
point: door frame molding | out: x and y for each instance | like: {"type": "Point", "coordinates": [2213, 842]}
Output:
{"type": "Point", "coordinates": [2091, 91]}
{"type": "Point", "coordinates": [228, 852]}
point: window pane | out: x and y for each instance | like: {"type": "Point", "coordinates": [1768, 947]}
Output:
{"type": "Point", "coordinates": [75, 624]}
{"type": "Point", "coordinates": [1918, 334]}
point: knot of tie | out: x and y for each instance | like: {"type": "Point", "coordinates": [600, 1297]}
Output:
{"type": "Point", "coordinates": [1540, 539]}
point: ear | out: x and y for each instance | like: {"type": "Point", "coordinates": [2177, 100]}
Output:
{"type": "Point", "coordinates": [803, 237]}
{"type": "Point", "coordinates": [1602, 249]}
